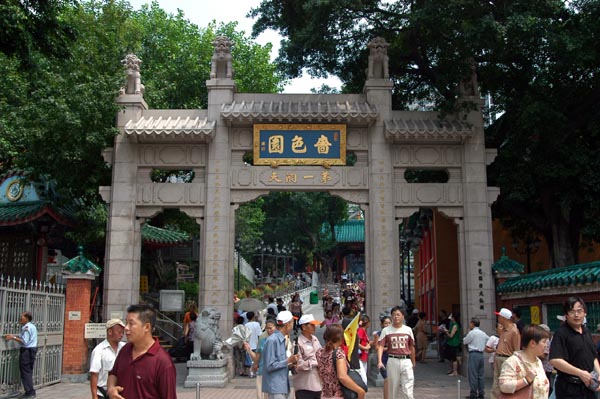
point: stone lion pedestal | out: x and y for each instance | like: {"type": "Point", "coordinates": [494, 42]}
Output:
{"type": "Point", "coordinates": [207, 365]}
{"type": "Point", "coordinates": [208, 373]}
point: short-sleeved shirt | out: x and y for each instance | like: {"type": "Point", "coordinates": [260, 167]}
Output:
{"type": "Point", "coordinates": [510, 341]}
{"type": "Point", "coordinates": [328, 374]}
{"type": "Point", "coordinates": [364, 340]}
{"type": "Point", "coordinates": [575, 348]}
{"type": "Point", "coordinates": [492, 342]}
{"type": "Point", "coordinates": [398, 341]}
{"type": "Point", "coordinates": [29, 335]}
{"type": "Point", "coordinates": [149, 376]}
{"type": "Point", "coordinates": [102, 360]}
{"type": "Point", "coordinates": [476, 340]}
{"type": "Point", "coordinates": [255, 332]}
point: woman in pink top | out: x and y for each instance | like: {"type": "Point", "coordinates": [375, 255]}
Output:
{"type": "Point", "coordinates": [329, 319]}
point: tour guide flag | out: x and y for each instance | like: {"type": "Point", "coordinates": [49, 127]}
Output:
{"type": "Point", "coordinates": [350, 334]}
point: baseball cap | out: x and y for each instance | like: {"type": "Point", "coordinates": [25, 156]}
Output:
{"type": "Point", "coordinates": [114, 322]}
{"type": "Point", "coordinates": [284, 317]}
{"type": "Point", "coordinates": [507, 314]}
{"type": "Point", "coordinates": [308, 319]}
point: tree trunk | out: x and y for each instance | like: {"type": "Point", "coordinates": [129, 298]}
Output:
{"type": "Point", "coordinates": [563, 232]}
{"type": "Point", "coordinates": [158, 266]}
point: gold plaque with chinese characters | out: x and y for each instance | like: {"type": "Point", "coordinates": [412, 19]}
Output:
{"type": "Point", "coordinates": [299, 144]}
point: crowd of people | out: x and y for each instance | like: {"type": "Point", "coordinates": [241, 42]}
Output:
{"type": "Point", "coordinates": [531, 361]}
{"type": "Point", "coordinates": [528, 361]}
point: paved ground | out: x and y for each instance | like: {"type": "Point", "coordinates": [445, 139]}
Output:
{"type": "Point", "coordinates": [431, 382]}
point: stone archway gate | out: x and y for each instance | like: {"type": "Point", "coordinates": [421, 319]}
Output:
{"type": "Point", "coordinates": [213, 141]}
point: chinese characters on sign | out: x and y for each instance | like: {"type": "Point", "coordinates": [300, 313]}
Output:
{"type": "Point", "coordinates": [303, 178]}
{"type": "Point", "coordinates": [298, 144]}
{"type": "Point", "coordinates": [481, 294]}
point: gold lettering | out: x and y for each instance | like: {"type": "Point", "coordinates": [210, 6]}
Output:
{"type": "Point", "coordinates": [291, 178]}
{"type": "Point", "coordinates": [323, 145]}
{"type": "Point", "coordinates": [276, 144]}
{"type": "Point", "coordinates": [298, 145]}
{"type": "Point", "coordinates": [274, 178]}
{"type": "Point", "coordinates": [325, 177]}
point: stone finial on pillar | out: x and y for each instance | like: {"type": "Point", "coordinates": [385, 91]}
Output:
{"type": "Point", "coordinates": [134, 82]}
{"type": "Point", "coordinates": [221, 62]}
{"type": "Point", "coordinates": [468, 87]}
{"type": "Point", "coordinates": [79, 273]}
{"type": "Point", "coordinates": [378, 59]}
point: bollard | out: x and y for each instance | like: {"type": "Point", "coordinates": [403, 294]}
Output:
{"type": "Point", "coordinates": [458, 383]}
{"type": "Point", "coordinates": [197, 390]}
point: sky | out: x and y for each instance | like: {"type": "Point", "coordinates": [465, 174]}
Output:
{"type": "Point", "coordinates": [202, 12]}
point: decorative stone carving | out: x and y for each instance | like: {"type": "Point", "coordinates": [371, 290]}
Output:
{"type": "Point", "coordinates": [221, 62]}
{"type": "Point", "coordinates": [134, 83]}
{"type": "Point", "coordinates": [184, 156]}
{"type": "Point", "coordinates": [207, 337]}
{"type": "Point", "coordinates": [429, 194]}
{"type": "Point", "coordinates": [170, 194]}
{"type": "Point", "coordinates": [378, 59]}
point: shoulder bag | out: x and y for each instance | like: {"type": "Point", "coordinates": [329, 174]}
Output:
{"type": "Point", "coordinates": [347, 392]}
{"type": "Point", "coordinates": [523, 393]}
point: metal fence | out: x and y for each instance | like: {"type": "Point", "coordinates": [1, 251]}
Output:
{"type": "Point", "coordinates": [46, 302]}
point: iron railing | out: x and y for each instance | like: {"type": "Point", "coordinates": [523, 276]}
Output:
{"type": "Point", "coordinates": [47, 304]}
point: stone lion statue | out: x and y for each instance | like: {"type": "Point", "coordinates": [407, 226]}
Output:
{"type": "Point", "coordinates": [378, 59]}
{"type": "Point", "coordinates": [134, 83]}
{"type": "Point", "coordinates": [207, 337]}
{"type": "Point", "coordinates": [221, 62]}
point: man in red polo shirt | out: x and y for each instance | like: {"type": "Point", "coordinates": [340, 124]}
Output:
{"type": "Point", "coordinates": [142, 369]}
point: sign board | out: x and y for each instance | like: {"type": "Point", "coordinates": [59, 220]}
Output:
{"type": "Point", "coordinates": [74, 315]}
{"type": "Point", "coordinates": [535, 314]}
{"type": "Point", "coordinates": [172, 300]}
{"type": "Point", "coordinates": [299, 144]}
{"type": "Point", "coordinates": [143, 284]}
{"type": "Point", "coordinates": [95, 330]}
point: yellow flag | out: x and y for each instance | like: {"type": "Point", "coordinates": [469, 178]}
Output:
{"type": "Point", "coordinates": [350, 334]}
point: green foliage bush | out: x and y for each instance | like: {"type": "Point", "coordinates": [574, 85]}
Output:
{"type": "Point", "coordinates": [191, 290]}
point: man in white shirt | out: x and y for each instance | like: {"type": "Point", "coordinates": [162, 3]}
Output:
{"type": "Point", "coordinates": [103, 357]}
{"type": "Point", "coordinates": [475, 341]}
{"type": "Point", "coordinates": [255, 331]}
{"type": "Point", "coordinates": [272, 305]}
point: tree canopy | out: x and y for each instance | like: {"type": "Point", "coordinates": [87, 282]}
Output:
{"type": "Point", "coordinates": [61, 71]}
{"type": "Point", "coordinates": [303, 220]}
{"type": "Point", "coordinates": [537, 60]}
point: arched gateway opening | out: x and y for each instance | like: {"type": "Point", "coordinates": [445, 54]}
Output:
{"type": "Point", "coordinates": [299, 143]}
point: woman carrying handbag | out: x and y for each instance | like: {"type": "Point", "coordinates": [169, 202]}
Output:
{"type": "Point", "coordinates": [334, 375]}
{"type": "Point", "coordinates": [523, 375]}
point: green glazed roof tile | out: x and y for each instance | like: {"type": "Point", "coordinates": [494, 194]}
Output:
{"type": "Point", "coordinates": [81, 264]}
{"type": "Point", "coordinates": [507, 265]}
{"type": "Point", "coordinates": [352, 230]}
{"type": "Point", "coordinates": [162, 237]}
{"type": "Point", "coordinates": [23, 212]}
{"type": "Point", "coordinates": [585, 273]}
